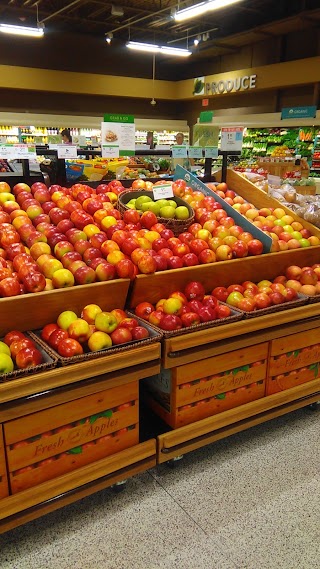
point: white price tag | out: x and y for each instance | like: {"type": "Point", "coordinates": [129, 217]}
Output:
{"type": "Point", "coordinates": [67, 151]}
{"type": "Point", "coordinates": [211, 152]}
{"type": "Point", "coordinates": [231, 138]}
{"type": "Point", "coordinates": [179, 151]}
{"type": "Point", "coordinates": [109, 151]}
{"type": "Point", "coordinates": [162, 191]}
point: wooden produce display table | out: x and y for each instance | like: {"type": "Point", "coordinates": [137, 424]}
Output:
{"type": "Point", "coordinates": [281, 168]}
{"type": "Point", "coordinates": [70, 431]}
{"type": "Point", "coordinates": [221, 380]}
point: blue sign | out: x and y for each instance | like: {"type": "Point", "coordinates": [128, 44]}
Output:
{"type": "Point", "coordinates": [299, 112]}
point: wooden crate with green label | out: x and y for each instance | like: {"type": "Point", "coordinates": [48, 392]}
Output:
{"type": "Point", "coordinates": [200, 389]}
{"type": "Point", "coordinates": [49, 443]}
{"type": "Point", "coordinates": [294, 360]}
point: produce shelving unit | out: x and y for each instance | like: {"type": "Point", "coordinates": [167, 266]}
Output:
{"type": "Point", "coordinates": [76, 384]}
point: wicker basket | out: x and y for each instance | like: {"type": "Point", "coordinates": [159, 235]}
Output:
{"type": "Point", "coordinates": [176, 225]}
{"type": "Point", "coordinates": [49, 361]}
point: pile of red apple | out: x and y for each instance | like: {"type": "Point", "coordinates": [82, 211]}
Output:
{"type": "Point", "coordinates": [17, 351]}
{"type": "Point", "coordinates": [183, 309]}
{"type": "Point", "coordinates": [93, 331]}
{"type": "Point", "coordinates": [286, 233]}
{"type": "Point", "coordinates": [58, 237]}
{"type": "Point", "coordinates": [249, 296]}
{"type": "Point", "coordinates": [305, 280]}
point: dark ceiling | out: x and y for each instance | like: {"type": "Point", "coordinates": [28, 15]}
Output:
{"type": "Point", "coordinates": [76, 30]}
{"type": "Point", "coordinates": [152, 21]}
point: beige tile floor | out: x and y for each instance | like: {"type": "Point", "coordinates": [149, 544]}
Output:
{"type": "Point", "coordinates": [248, 502]}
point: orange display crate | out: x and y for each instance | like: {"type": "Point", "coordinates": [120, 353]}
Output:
{"type": "Point", "coordinates": [294, 360]}
{"type": "Point", "coordinates": [200, 389]}
{"type": "Point", "coordinates": [49, 443]}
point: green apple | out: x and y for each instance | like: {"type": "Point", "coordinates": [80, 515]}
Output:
{"type": "Point", "coordinates": [99, 341]}
{"type": "Point", "coordinates": [6, 364]}
{"type": "Point", "coordinates": [141, 200]}
{"type": "Point", "coordinates": [4, 349]}
{"type": "Point", "coordinates": [172, 203]}
{"type": "Point", "coordinates": [66, 318]}
{"type": "Point", "coordinates": [168, 212]}
{"type": "Point", "coordinates": [305, 243]}
{"type": "Point", "coordinates": [162, 203]}
{"type": "Point", "coordinates": [151, 206]}
{"type": "Point", "coordinates": [182, 212]}
{"type": "Point", "coordinates": [105, 322]}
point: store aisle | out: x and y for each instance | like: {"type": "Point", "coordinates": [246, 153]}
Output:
{"type": "Point", "coordinates": [248, 502]}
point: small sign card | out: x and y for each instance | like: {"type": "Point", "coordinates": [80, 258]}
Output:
{"type": "Point", "coordinates": [67, 151]}
{"type": "Point", "coordinates": [162, 191]}
{"type": "Point", "coordinates": [108, 151]}
{"type": "Point", "coordinates": [211, 152]}
{"type": "Point", "coordinates": [195, 152]}
{"type": "Point", "coordinates": [179, 151]}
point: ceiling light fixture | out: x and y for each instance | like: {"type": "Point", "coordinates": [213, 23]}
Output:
{"type": "Point", "coordinates": [196, 41]}
{"type": "Point", "coordinates": [202, 8]}
{"type": "Point", "coordinates": [22, 30]}
{"type": "Point", "coordinates": [109, 37]}
{"type": "Point", "coordinates": [151, 48]}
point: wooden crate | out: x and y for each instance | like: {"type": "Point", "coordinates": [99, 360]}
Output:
{"type": "Point", "coordinates": [49, 443]}
{"type": "Point", "coordinates": [294, 360]}
{"type": "Point", "coordinates": [260, 199]}
{"type": "Point", "coordinates": [3, 469]}
{"type": "Point", "coordinates": [198, 390]}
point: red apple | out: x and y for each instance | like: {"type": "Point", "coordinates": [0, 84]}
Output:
{"type": "Point", "coordinates": [221, 293]}
{"type": "Point", "coordinates": [69, 347]}
{"type": "Point", "coordinates": [47, 331]}
{"type": "Point", "coordinates": [170, 322]}
{"type": "Point", "coordinates": [84, 275]}
{"type": "Point", "coordinates": [143, 310]}
{"type": "Point", "coordinates": [194, 291]}
{"type": "Point", "coordinates": [262, 300]}
{"type": "Point", "coordinates": [255, 247]}
{"type": "Point", "coordinates": [28, 357]}
{"type": "Point", "coordinates": [139, 333]}
{"type": "Point", "coordinates": [239, 249]}
{"type": "Point", "coordinates": [34, 282]}
{"type": "Point", "coordinates": [121, 335]}
{"type": "Point", "coordinates": [9, 287]}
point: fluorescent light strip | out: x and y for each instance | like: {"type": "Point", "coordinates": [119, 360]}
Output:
{"type": "Point", "coordinates": [202, 8]}
{"type": "Point", "coordinates": [21, 31]}
{"type": "Point", "coordinates": [151, 48]}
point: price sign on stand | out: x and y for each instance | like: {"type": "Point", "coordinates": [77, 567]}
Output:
{"type": "Point", "coordinates": [119, 130]}
{"type": "Point", "coordinates": [179, 151]}
{"type": "Point", "coordinates": [67, 151]}
{"type": "Point", "coordinates": [18, 151]}
{"type": "Point", "coordinates": [109, 151]}
{"type": "Point", "coordinates": [231, 138]}
{"type": "Point", "coordinates": [211, 152]}
{"type": "Point", "coordinates": [195, 152]}
{"type": "Point", "coordinates": [162, 191]}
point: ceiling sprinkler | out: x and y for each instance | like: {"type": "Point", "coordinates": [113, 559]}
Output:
{"type": "Point", "coordinates": [153, 102]}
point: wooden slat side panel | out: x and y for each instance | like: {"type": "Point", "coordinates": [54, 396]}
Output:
{"type": "Point", "coordinates": [22, 312]}
{"type": "Point", "coordinates": [188, 393]}
{"type": "Point", "coordinates": [217, 364]}
{"type": "Point", "coordinates": [296, 342]}
{"type": "Point", "coordinates": [281, 382]}
{"type": "Point", "coordinates": [3, 468]}
{"type": "Point", "coordinates": [51, 469]}
{"type": "Point", "coordinates": [78, 436]}
{"type": "Point", "coordinates": [31, 425]}
{"type": "Point", "coordinates": [86, 474]}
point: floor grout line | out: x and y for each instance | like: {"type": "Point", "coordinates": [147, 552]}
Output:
{"type": "Point", "coordinates": [228, 558]}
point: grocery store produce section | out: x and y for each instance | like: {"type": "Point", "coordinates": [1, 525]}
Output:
{"type": "Point", "coordinates": [206, 299]}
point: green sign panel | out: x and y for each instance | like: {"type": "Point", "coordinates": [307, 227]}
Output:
{"type": "Point", "coordinates": [206, 116]}
{"type": "Point", "coordinates": [114, 117]}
